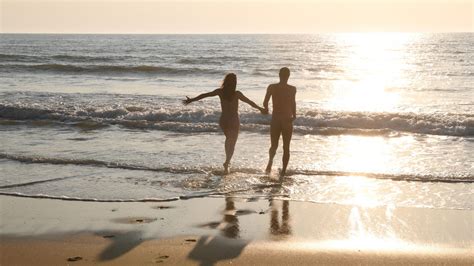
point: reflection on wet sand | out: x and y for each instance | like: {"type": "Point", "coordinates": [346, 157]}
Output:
{"type": "Point", "coordinates": [276, 228]}
{"type": "Point", "coordinates": [230, 227]}
{"type": "Point", "coordinates": [211, 249]}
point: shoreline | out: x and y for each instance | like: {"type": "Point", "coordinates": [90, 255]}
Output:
{"type": "Point", "coordinates": [230, 230]}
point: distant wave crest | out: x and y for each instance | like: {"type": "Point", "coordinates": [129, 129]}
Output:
{"type": "Point", "coordinates": [106, 69]}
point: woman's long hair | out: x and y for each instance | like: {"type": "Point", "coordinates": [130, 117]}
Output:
{"type": "Point", "coordinates": [229, 85]}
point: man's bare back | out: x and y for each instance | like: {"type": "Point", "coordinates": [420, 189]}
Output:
{"type": "Point", "coordinates": [283, 100]}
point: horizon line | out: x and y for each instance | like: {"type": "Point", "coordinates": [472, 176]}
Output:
{"type": "Point", "coordinates": [234, 33]}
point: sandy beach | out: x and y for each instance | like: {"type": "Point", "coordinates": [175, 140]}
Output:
{"type": "Point", "coordinates": [208, 231]}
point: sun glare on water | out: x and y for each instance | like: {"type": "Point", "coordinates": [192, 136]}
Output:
{"type": "Point", "coordinates": [359, 154]}
{"type": "Point", "coordinates": [374, 64]}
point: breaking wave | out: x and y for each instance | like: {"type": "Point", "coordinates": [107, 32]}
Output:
{"type": "Point", "coordinates": [318, 122]}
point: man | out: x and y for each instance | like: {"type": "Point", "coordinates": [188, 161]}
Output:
{"type": "Point", "coordinates": [283, 114]}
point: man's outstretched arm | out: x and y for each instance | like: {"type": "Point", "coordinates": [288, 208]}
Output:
{"type": "Point", "coordinates": [267, 98]}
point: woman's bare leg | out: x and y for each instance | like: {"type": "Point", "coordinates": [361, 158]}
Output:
{"type": "Point", "coordinates": [230, 147]}
{"type": "Point", "coordinates": [231, 136]}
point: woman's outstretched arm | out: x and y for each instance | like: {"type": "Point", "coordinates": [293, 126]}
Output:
{"type": "Point", "coordinates": [251, 103]}
{"type": "Point", "coordinates": [200, 97]}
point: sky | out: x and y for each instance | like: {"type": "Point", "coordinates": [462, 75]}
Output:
{"type": "Point", "coordinates": [235, 16]}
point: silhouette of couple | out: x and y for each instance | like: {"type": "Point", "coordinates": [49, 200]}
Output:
{"type": "Point", "coordinates": [283, 114]}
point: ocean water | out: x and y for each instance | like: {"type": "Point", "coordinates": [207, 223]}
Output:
{"type": "Point", "coordinates": [383, 118]}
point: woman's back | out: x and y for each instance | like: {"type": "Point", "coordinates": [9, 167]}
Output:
{"type": "Point", "coordinates": [229, 107]}
{"type": "Point", "coordinates": [229, 121]}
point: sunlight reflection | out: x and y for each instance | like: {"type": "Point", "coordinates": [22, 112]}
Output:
{"type": "Point", "coordinates": [370, 243]}
{"type": "Point", "coordinates": [374, 64]}
{"type": "Point", "coordinates": [363, 154]}
{"type": "Point", "coordinates": [359, 154]}
{"type": "Point", "coordinates": [361, 237]}
{"type": "Point", "coordinates": [361, 191]}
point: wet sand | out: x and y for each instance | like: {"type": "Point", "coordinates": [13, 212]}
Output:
{"type": "Point", "coordinates": [211, 231]}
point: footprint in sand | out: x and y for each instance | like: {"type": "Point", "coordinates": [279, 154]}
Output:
{"type": "Point", "coordinates": [74, 259]}
{"type": "Point", "coordinates": [134, 220]}
{"type": "Point", "coordinates": [162, 207]}
{"type": "Point", "coordinates": [161, 259]}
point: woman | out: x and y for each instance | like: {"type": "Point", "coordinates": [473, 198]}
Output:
{"type": "Point", "coordinates": [229, 121]}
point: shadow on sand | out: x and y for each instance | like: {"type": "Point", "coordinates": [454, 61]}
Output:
{"type": "Point", "coordinates": [121, 244]}
{"type": "Point", "coordinates": [211, 249]}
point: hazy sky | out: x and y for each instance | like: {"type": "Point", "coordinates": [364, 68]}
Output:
{"type": "Point", "coordinates": [234, 16]}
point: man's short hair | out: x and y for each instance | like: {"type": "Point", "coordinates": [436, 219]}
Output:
{"type": "Point", "coordinates": [284, 73]}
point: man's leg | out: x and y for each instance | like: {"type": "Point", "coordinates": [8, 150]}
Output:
{"type": "Point", "coordinates": [287, 132]}
{"type": "Point", "coordinates": [275, 131]}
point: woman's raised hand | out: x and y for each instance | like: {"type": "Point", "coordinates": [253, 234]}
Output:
{"type": "Point", "coordinates": [187, 101]}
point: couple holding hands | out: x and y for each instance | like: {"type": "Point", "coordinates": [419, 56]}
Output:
{"type": "Point", "coordinates": [283, 114]}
